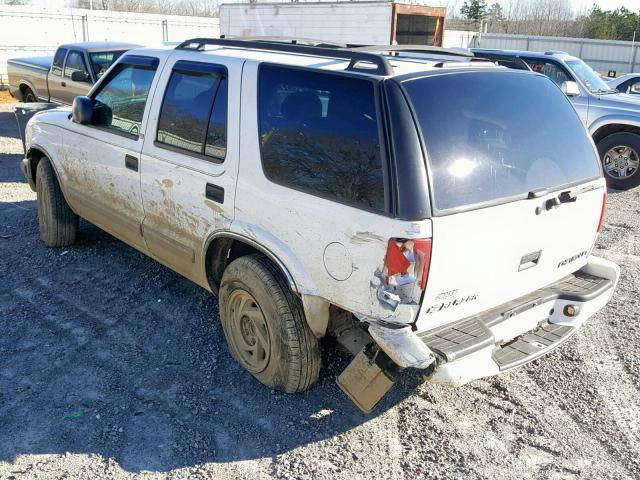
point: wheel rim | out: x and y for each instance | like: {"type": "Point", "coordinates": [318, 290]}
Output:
{"type": "Point", "coordinates": [621, 162]}
{"type": "Point", "coordinates": [249, 331]}
{"type": "Point", "coordinates": [30, 98]}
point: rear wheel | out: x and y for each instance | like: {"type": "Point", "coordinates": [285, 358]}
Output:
{"type": "Point", "coordinates": [28, 96]}
{"type": "Point", "coordinates": [58, 223]}
{"type": "Point", "coordinates": [620, 156]}
{"type": "Point", "coordinates": [265, 327]}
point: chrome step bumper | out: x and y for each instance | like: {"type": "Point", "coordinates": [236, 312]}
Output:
{"type": "Point", "coordinates": [522, 330]}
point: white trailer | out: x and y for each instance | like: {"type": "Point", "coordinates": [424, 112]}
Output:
{"type": "Point", "coordinates": [357, 22]}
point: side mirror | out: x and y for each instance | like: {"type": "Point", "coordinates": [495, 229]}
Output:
{"type": "Point", "coordinates": [635, 88]}
{"type": "Point", "coordinates": [82, 110]}
{"type": "Point", "coordinates": [78, 76]}
{"type": "Point", "coordinates": [570, 89]}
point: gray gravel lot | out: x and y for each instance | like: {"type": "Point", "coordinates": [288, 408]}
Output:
{"type": "Point", "coordinates": [113, 366]}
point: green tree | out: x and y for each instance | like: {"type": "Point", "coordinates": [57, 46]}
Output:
{"type": "Point", "coordinates": [474, 10]}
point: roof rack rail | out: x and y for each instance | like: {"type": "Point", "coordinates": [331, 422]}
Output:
{"type": "Point", "coordinates": [363, 62]}
{"type": "Point", "coordinates": [413, 49]}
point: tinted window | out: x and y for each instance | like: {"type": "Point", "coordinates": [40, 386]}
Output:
{"type": "Point", "coordinates": [194, 111]}
{"type": "Point", "coordinates": [496, 135]}
{"type": "Point", "coordinates": [58, 61]}
{"type": "Point", "coordinates": [120, 102]}
{"type": "Point", "coordinates": [319, 133]}
{"type": "Point", "coordinates": [101, 61]}
{"type": "Point", "coordinates": [75, 63]}
{"type": "Point", "coordinates": [551, 70]}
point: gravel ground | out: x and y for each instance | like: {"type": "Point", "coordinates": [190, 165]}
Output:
{"type": "Point", "coordinates": [112, 366]}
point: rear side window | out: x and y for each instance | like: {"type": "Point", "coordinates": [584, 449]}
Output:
{"type": "Point", "coordinates": [493, 136]}
{"type": "Point", "coordinates": [319, 133]}
{"type": "Point", "coordinates": [193, 116]}
{"type": "Point", "coordinates": [58, 61]}
{"type": "Point", "coordinates": [119, 103]}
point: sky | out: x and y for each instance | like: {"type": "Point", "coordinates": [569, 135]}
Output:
{"type": "Point", "coordinates": [633, 5]}
{"type": "Point", "coordinates": [578, 5]}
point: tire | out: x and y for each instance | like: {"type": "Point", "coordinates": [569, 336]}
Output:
{"type": "Point", "coordinates": [58, 223]}
{"type": "Point", "coordinates": [254, 298]}
{"type": "Point", "coordinates": [623, 147]}
{"type": "Point", "coordinates": [28, 96]}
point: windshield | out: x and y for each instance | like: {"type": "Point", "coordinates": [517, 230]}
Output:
{"type": "Point", "coordinates": [101, 61]}
{"type": "Point", "coordinates": [493, 136]}
{"type": "Point", "coordinates": [594, 82]}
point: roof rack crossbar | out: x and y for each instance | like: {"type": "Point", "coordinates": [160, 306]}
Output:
{"type": "Point", "coordinates": [358, 61]}
{"type": "Point", "coordinates": [413, 49]}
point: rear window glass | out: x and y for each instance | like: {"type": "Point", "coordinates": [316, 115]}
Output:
{"type": "Point", "coordinates": [319, 134]}
{"type": "Point", "coordinates": [492, 136]}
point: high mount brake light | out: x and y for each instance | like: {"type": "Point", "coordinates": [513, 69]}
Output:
{"type": "Point", "coordinates": [407, 262]}
{"type": "Point", "coordinates": [604, 204]}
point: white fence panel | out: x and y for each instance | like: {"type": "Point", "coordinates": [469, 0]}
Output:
{"type": "Point", "coordinates": [33, 31]}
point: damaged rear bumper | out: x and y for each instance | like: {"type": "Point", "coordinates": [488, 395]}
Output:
{"type": "Point", "coordinates": [507, 336]}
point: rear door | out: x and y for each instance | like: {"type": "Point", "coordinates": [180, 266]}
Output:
{"type": "Point", "coordinates": [516, 188]}
{"type": "Point", "coordinates": [190, 159]}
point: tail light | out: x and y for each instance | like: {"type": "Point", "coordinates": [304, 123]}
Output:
{"type": "Point", "coordinates": [407, 263]}
{"type": "Point", "coordinates": [604, 204]}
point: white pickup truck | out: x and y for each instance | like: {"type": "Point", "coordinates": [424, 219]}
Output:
{"type": "Point", "coordinates": [429, 211]}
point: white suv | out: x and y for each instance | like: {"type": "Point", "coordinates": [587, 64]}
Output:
{"type": "Point", "coordinates": [430, 211]}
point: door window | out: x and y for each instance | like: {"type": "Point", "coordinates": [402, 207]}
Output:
{"type": "Point", "coordinates": [319, 133]}
{"type": "Point", "coordinates": [550, 69]}
{"type": "Point", "coordinates": [193, 116]}
{"type": "Point", "coordinates": [119, 103]}
{"type": "Point", "coordinates": [58, 61]}
{"type": "Point", "coordinates": [75, 63]}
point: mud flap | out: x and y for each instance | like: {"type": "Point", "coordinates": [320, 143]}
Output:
{"type": "Point", "coordinates": [368, 377]}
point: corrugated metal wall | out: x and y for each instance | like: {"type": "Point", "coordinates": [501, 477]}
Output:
{"type": "Point", "coordinates": [326, 21]}
{"type": "Point", "coordinates": [32, 31]}
{"type": "Point", "coordinates": [602, 55]}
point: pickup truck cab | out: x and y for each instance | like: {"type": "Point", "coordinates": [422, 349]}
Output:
{"type": "Point", "coordinates": [428, 211]}
{"type": "Point", "coordinates": [612, 117]}
{"type": "Point", "coordinates": [72, 71]}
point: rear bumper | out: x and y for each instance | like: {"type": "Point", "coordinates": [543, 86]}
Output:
{"type": "Point", "coordinates": [514, 333]}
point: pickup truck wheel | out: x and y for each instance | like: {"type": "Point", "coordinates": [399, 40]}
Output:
{"type": "Point", "coordinates": [265, 327]}
{"type": "Point", "coordinates": [620, 156]}
{"type": "Point", "coordinates": [58, 223]}
{"type": "Point", "coordinates": [28, 96]}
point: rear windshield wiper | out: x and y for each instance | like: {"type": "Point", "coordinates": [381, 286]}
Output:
{"type": "Point", "coordinates": [566, 196]}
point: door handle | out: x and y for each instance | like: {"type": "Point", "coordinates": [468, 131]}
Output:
{"type": "Point", "coordinates": [214, 192]}
{"type": "Point", "coordinates": [131, 162]}
{"type": "Point", "coordinates": [63, 84]}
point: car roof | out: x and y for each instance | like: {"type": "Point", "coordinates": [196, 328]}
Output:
{"type": "Point", "coordinates": [525, 53]}
{"type": "Point", "coordinates": [404, 64]}
{"type": "Point", "coordinates": [101, 46]}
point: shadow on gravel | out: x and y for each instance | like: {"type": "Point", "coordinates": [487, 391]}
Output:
{"type": "Point", "coordinates": [104, 351]}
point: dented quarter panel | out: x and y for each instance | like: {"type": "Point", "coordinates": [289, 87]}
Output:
{"type": "Point", "coordinates": [302, 230]}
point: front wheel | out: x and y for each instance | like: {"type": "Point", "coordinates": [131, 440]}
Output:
{"type": "Point", "coordinates": [58, 223]}
{"type": "Point", "coordinates": [620, 156]}
{"type": "Point", "coordinates": [265, 326]}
